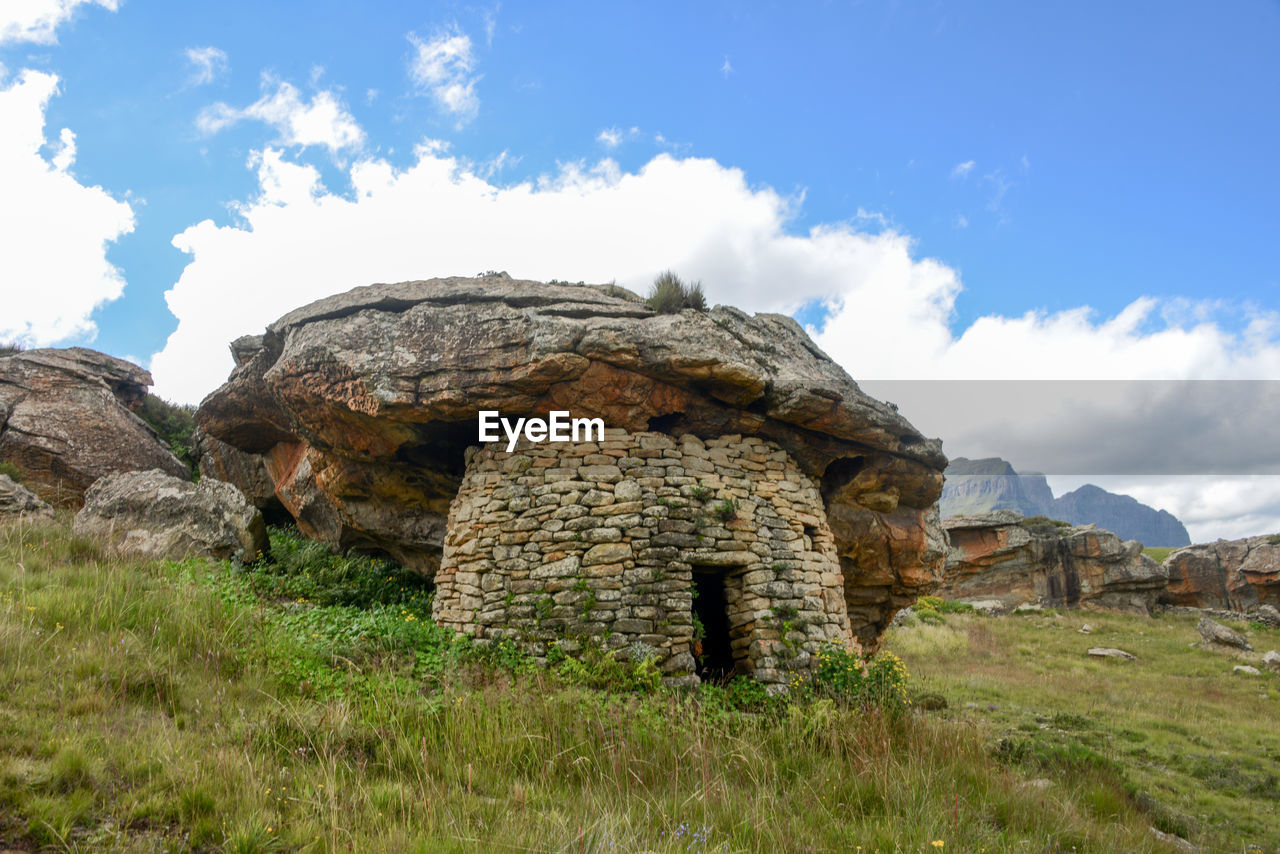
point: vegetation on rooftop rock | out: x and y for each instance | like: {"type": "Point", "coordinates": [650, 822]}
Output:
{"type": "Point", "coordinates": [670, 295]}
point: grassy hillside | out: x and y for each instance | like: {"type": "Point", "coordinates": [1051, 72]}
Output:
{"type": "Point", "coordinates": [309, 705]}
{"type": "Point", "coordinates": [1196, 743]}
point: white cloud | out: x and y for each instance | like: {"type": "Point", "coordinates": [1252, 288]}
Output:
{"type": "Point", "coordinates": [726, 69]}
{"type": "Point", "coordinates": [37, 20]}
{"type": "Point", "coordinates": [609, 137]}
{"type": "Point", "coordinates": [890, 311]}
{"type": "Point", "coordinates": [962, 170]}
{"type": "Point", "coordinates": [321, 121]}
{"type": "Point", "coordinates": [962, 221]}
{"type": "Point", "coordinates": [443, 68]}
{"type": "Point", "coordinates": [207, 64]}
{"type": "Point", "coordinates": [54, 230]}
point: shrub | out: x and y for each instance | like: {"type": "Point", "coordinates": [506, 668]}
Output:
{"type": "Point", "coordinates": [8, 349]}
{"type": "Point", "coordinates": [606, 670]}
{"type": "Point", "coordinates": [1044, 526]}
{"type": "Point", "coordinates": [847, 679]}
{"type": "Point", "coordinates": [175, 423]}
{"type": "Point", "coordinates": [12, 471]}
{"type": "Point", "coordinates": [670, 295]}
{"type": "Point", "coordinates": [726, 510]}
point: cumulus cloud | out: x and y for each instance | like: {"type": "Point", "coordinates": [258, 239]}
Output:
{"type": "Point", "coordinates": [961, 170]}
{"type": "Point", "coordinates": [444, 68]}
{"type": "Point", "coordinates": [609, 137]}
{"type": "Point", "coordinates": [54, 230]}
{"type": "Point", "coordinates": [37, 20]}
{"type": "Point", "coordinates": [207, 64]}
{"type": "Point", "coordinates": [323, 120]}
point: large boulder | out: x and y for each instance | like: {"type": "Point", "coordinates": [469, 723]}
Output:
{"type": "Point", "coordinates": [17, 500]}
{"type": "Point", "coordinates": [66, 419]}
{"type": "Point", "coordinates": [1000, 556]}
{"type": "Point", "coordinates": [361, 406]}
{"type": "Point", "coordinates": [155, 515]}
{"type": "Point", "coordinates": [1235, 575]}
{"type": "Point", "coordinates": [1214, 633]}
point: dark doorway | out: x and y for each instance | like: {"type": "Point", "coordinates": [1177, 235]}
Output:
{"type": "Point", "coordinates": [710, 611]}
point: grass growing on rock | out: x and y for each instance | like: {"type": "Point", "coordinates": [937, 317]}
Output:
{"type": "Point", "coordinates": [1195, 743]}
{"type": "Point", "coordinates": [308, 704]}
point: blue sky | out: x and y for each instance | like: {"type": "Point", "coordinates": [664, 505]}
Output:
{"type": "Point", "coordinates": [1008, 189]}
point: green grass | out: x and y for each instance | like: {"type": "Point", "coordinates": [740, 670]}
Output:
{"type": "Point", "coordinates": [1158, 553]}
{"type": "Point", "coordinates": [309, 705]}
{"type": "Point", "coordinates": [1196, 744]}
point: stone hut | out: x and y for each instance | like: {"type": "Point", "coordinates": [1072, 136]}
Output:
{"type": "Point", "coordinates": [745, 504]}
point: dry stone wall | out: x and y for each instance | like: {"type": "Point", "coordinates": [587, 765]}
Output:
{"type": "Point", "coordinates": [606, 542]}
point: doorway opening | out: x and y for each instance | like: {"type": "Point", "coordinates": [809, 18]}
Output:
{"type": "Point", "coordinates": [713, 647]}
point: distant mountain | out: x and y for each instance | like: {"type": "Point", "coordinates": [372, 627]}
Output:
{"type": "Point", "coordinates": [979, 486]}
{"type": "Point", "coordinates": [1126, 516]}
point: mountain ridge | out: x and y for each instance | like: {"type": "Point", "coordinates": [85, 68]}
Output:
{"type": "Point", "coordinates": [992, 483]}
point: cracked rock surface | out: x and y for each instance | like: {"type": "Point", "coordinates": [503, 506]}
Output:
{"type": "Point", "coordinates": [66, 419]}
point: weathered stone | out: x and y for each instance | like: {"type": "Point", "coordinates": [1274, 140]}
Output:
{"type": "Point", "coordinates": [1272, 660]}
{"type": "Point", "coordinates": [363, 408]}
{"type": "Point", "coordinates": [159, 516]}
{"type": "Point", "coordinates": [1246, 670]}
{"type": "Point", "coordinates": [1214, 633]}
{"type": "Point", "coordinates": [66, 420]}
{"type": "Point", "coordinates": [1269, 615]}
{"type": "Point", "coordinates": [995, 558]}
{"type": "Point", "coordinates": [18, 501]}
{"type": "Point", "coordinates": [1234, 575]}
{"type": "Point", "coordinates": [1108, 652]}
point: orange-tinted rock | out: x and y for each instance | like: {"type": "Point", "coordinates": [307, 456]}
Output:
{"type": "Point", "coordinates": [995, 558]}
{"type": "Point", "coordinates": [1233, 574]}
{"type": "Point", "coordinates": [363, 404]}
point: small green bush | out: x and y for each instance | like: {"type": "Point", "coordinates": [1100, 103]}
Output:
{"type": "Point", "coordinates": [726, 510]}
{"type": "Point", "coordinates": [670, 295]}
{"type": "Point", "coordinates": [175, 423]}
{"type": "Point", "coordinates": [847, 679]}
{"type": "Point", "coordinates": [606, 670]}
{"type": "Point", "coordinates": [12, 471]}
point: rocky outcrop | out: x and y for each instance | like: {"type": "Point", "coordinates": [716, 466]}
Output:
{"type": "Point", "coordinates": [1237, 575]}
{"type": "Point", "coordinates": [248, 472]}
{"type": "Point", "coordinates": [17, 500]}
{"type": "Point", "coordinates": [996, 557]}
{"type": "Point", "coordinates": [362, 405]}
{"type": "Point", "coordinates": [155, 515]}
{"type": "Point", "coordinates": [66, 420]}
{"type": "Point", "coordinates": [975, 487]}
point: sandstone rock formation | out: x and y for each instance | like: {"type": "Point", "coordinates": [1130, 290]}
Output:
{"type": "Point", "coordinates": [994, 556]}
{"type": "Point", "coordinates": [1237, 575]}
{"type": "Point", "coordinates": [361, 408]}
{"type": "Point", "coordinates": [66, 420]}
{"type": "Point", "coordinates": [17, 500]}
{"type": "Point", "coordinates": [156, 515]}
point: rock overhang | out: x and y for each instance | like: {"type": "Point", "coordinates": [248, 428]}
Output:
{"type": "Point", "coordinates": [367, 400]}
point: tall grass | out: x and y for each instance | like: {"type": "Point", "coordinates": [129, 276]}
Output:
{"type": "Point", "coordinates": [196, 707]}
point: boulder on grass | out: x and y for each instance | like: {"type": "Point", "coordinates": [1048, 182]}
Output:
{"type": "Point", "coordinates": [155, 515]}
{"type": "Point", "coordinates": [1108, 652]}
{"type": "Point", "coordinates": [1216, 634]}
{"type": "Point", "coordinates": [17, 500]}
